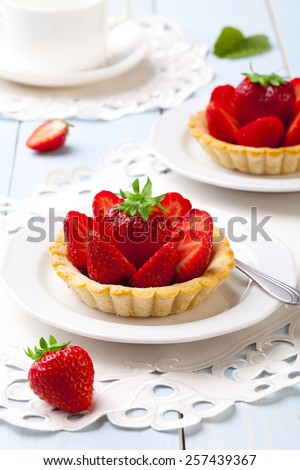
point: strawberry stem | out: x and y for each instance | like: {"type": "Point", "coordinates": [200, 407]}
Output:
{"type": "Point", "coordinates": [140, 201]}
{"type": "Point", "coordinates": [45, 347]}
{"type": "Point", "coordinates": [264, 80]}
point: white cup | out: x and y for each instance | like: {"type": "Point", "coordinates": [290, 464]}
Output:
{"type": "Point", "coordinates": [58, 35]}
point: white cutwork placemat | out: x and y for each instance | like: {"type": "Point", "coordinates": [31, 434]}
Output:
{"type": "Point", "coordinates": [139, 386]}
{"type": "Point", "coordinates": [174, 69]}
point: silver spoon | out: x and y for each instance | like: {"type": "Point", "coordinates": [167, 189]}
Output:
{"type": "Point", "coordinates": [277, 289]}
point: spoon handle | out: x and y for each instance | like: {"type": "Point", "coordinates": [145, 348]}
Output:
{"type": "Point", "coordinates": [275, 288]}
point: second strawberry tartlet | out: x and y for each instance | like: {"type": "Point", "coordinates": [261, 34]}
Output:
{"type": "Point", "coordinates": [140, 255]}
{"type": "Point", "coordinates": [253, 128]}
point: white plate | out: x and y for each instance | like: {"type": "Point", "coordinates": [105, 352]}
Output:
{"type": "Point", "coordinates": [174, 144]}
{"type": "Point", "coordinates": [26, 271]}
{"type": "Point", "coordinates": [124, 54]}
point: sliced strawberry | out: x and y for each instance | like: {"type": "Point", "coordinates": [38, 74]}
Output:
{"type": "Point", "coordinates": [159, 270]}
{"type": "Point", "coordinates": [176, 205]}
{"type": "Point", "coordinates": [263, 132]}
{"type": "Point", "coordinates": [78, 230]}
{"type": "Point", "coordinates": [221, 124]}
{"type": "Point", "coordinates": [102, 202]}
{"type": "Point", "coordinates": [194, 254]}
{"type": "Point", "coordinates": [224, 95]}
{"type": "Point", "coordinates": [198, 220]}
{"type": "Point", "coordinates": [106, 264]}
{"type": "Point", "coordinates": [296, 84]}
{"type": "Point", "coordinates": [292, 136]}
{"type": "Point", "coordinates": [49, 136]}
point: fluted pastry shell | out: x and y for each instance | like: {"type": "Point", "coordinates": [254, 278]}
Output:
{"type": "Point", "coordinates": [138, 302]}
{"type": "Point", "coordinates": [256, 161]}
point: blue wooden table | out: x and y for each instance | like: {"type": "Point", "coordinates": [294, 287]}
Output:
{"type": "Point", "coordinates": [270, 424]}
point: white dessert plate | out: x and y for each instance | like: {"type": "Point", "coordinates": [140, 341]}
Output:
{"type": "Point", "coordinates": [128, 44]}
{"type": "Point", "coordinates": [173, 143]}
{"type": "Point", "coordinates": [26, 272]}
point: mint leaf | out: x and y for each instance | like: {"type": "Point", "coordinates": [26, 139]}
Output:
{"type": "Point", "coordinates": [232, 44]}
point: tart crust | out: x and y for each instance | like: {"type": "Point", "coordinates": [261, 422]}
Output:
{"type": "Point", "coordinates": [138, 302]}
{"type": "Point", "coordinates": [257, 161]}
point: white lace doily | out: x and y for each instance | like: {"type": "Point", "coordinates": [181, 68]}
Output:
{"type": "Point", "coordinates": [137, 386]}
{"type": "Point", "coordinates": [174, 69]}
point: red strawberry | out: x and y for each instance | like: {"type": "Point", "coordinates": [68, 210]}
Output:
{"type": "Point", "coordinates": [221, 124]}
{"type": "Point", "coordinates": [195, 219]}
{"type": "Point", "coordinates": [137, 227]}
{"type": "Point", "coordinates": [78, 229]}
{"type": "Point", "coordinates": [224, 95]}
{"type": "Point", "coordinates": [105, 263]}
{"type": "Point", "coordinates": [176, 205]}
{"type": "Point", "coordinates": [198, 220]}
{"type": "Point", "coordinates": [296, 84]}
{"type": "Point", "coordinates": [293, 132]}
{"type": "Point", "coordinates": [194, 254]}
{"type": "Point", "coordinates": [102, 202]}
{"type": "Point", "coordinates": [62, 375]}
{"type": "Point", "coordinates": [159, 270]}
{"type": "Point", "coordinates": [263, 132]}
{"type": "Point", "coordinates": [264, 95]}
{"type": "Point", "coordinates": [49, 136]}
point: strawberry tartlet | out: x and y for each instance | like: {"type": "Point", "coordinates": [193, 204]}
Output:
{"type": "Point", "coordinates": [141, 255]}
{"type": "Point", "coordinates": [253, 128]}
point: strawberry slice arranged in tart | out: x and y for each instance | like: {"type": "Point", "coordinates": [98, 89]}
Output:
{"type": "Point", "coordinates": [78, 231]}
{"type": "Point", "coordinates": [194, 253]}
{"type": "Point", "coordinates": [139, 240]}
{"type": "Point", "coordinates": [223, 94]}
{"type": "Point", "coordinates": [292, 136]}
{"type": "Point", "coordinates": [221, 124]}
{"type": "Point", "coordinates": [102, 202]}
{"type": "Point", "coordinates": [106, 264]}
{"type": "Point", "coordinates": [176, 205]}
{"type": "Point", "coordinates": [159, 270]}
{"type": "Point", "coordinates": [263, 132]}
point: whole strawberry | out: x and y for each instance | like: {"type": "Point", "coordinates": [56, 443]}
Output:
{"type": "Point", "coordinates": [62, 375]}
{"type": "Point", "coordinates": [264, 95]}
{"type": "Point", "coordinates": [137, 225]}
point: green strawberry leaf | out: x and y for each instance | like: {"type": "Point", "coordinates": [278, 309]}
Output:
{"type": "Point", "coordinates": [136, 186]}
{"type": "Point", "coordinates": [45, 347]}
{"type": "Point", "coordinates": [140, 201]}
{"type": "Point", "coordinates": [232, 44]}
{"type": "Point", "coordinates": [147, 189]}
{"type": "Point", "coordinates": [265, 80]}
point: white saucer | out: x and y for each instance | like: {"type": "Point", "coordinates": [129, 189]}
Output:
{"type": "Point", "coordinates": [123, 55]}
{"type": "Point", "coordinates": [174, 144]}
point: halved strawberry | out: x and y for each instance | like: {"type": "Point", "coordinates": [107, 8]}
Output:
{"type": "Point", "coordinates": [194, 252]}
{"type": "Point", "coordinates": [224, 95]}
{"type": "Point", "coordinates": [296, 84]}
{"type": "Point", "coordinates": [159, 270]}
{"type": "Point", "coordinates": [292, 136]}
{"type": "Point", "coordinates": [263, 132]}
{"type": "Point", "coordinates": [78, 230]}
{"type": "Point", "coordinates": [106, 264]}
{"type": "Point", "coordinates": [102, 202]}
{"type": "Point", "coordinates": [198, 220]}
{"type": "Point", "coordinates": [49, 136]}
{"type": "Point", "coordinates": [176, 205]}
{"type": "Point", "coordinates": [221, 124]}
